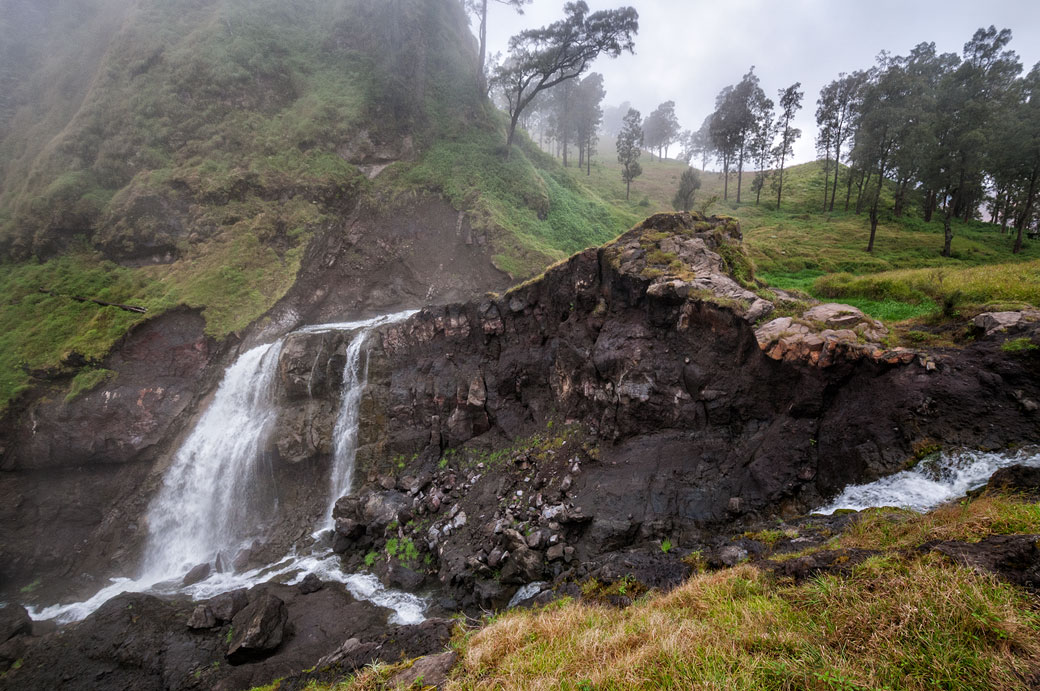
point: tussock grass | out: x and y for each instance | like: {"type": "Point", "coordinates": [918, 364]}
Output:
{"type": "Point", "coordinates": [969, 521]}
{"type": "Point", "coordinates": [1008, 284]}
{"type": "Point", "coordinates": [894, 623]}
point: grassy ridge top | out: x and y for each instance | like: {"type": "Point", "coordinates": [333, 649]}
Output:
{"type": "Point", "coordinates": [802, 248]}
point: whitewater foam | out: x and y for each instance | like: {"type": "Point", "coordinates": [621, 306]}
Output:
{"type": "Point", "coordinates": [934, 481]}
{"type": "Point", "coordinates": [217, 487]}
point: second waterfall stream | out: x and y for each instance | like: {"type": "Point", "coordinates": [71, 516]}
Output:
{"type": "Point", "coordinates": [218, 483]}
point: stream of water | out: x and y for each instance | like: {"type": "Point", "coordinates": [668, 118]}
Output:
{"type": "Point", "coordinates": [218, 491]}
{"type": "Point", "coordinates": [934, 481]}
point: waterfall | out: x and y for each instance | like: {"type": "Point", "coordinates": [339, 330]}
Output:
{"type": "Point", "coordinates": [215, 489]}
{"type": "Point", "coordinates": [217, 494]}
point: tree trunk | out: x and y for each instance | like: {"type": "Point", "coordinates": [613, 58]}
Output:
{"type": "Point", "coordinates": [948, 229]}
{"type": "Point", "coordinates": [848, 192]}
{"type": "Point", "coordinates": [740, 174]}
{"type": "Point", "coordinates": [826, 180]}
{"type": "Point", "coordinates": [929, 206]}
{"type": "Point", "coordinates": [512, 132]}
{"type": "Point", "coordinates": [864, 182]}
{"type": "Point", "coordinates": [482, 59]}
{"type": "Point", "coordinates": [1027, 211]}
{"type": "Point", "coordinates": [900, 200]}
{"type": "Point", "coordinates": [725, 183]}
{"type": "Point", "coordinates": [873, 227]}
{"type": "Point", "coordinates": [837, 167]}
{"type": "Point", "coordinates": [588, 157]}
{"type": "Point", "coordinates": [628, 187]}
{"type": "Point", "coordinates": [874, 205]}
{"type": "Point", "coordinates": [780, 182]}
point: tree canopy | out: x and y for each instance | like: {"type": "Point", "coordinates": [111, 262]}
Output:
{"type": "Point", "coordinates": [540, 59]}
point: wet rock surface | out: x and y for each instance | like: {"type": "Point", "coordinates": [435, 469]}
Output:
{"type": "Point", "coordinates": [613, 406]}
{"type": "Point", "coordinates": [141, 642]}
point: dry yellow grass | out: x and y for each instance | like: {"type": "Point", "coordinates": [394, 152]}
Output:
{"type": "Point", "coordinates": [897, 621]}
{"type": "Point", "coordinates": [917, 624]}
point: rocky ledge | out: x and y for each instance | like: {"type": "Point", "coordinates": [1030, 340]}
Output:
{"type": "Point", "coordinates": [623, 403]}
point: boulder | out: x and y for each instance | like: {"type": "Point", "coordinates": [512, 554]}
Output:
{"type": "Point", "coordinates": [1016, 478]}
{"type": "Point", "coordinates": [226, 605]}
{"type": "Point", "coordinates": [310, 584]}
{"type": "Point", "coordinates": [197, 573]}
{"type": "Point", "coordinates": [202, 618]}
{"type": "Point", "coordinates": [426, 672]}
{"type": "Point", "coordinates": [379, 509]}
{"type": "Point", "coordinates": [524, 565]}
{"type": "Point", "coordinates": [257, 630]}
{"type": "Point", "coordinates": [14, 621]}
{"type": "Point", "coordinates": [992, 322]}
{"type": "Point", "coordinates": [837, 315]}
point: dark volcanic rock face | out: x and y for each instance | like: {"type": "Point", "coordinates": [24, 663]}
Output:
{"type": "Point", "coordinates": [140, 642]}
{"type": "Point", "coordinates": [72, 472]}
{"type": "Point", "coordinates": [686, 424]}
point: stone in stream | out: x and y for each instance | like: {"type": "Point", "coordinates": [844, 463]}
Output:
{"type": "Point", "coordinates": [197, 573]}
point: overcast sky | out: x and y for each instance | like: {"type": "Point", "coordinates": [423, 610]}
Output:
{"type": "Point", "coordinates": [688, 50]}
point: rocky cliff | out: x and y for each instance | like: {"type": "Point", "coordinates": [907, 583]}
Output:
{"type": "Point", "coordinates": [624, 399]}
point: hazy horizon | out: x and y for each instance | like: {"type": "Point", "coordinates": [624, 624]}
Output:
{"type": "Point", "coordinates": [687, 52]}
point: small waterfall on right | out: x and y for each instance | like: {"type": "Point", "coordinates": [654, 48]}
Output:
{"type": "Point", "coordinates": [932, 482]}
{"type": "Point", "coordinates": [345, 434]}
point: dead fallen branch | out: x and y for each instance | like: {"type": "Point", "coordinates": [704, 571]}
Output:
{"type": "Point", "coordinates": [77, 298]}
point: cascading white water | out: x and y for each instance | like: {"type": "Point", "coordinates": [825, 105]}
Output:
{"type": "Point", "coordinates": [216, 488]}
{"type": "Point", "coordinates": [932, 482]}
{"type": "Point", "coordinates": [212, 492]}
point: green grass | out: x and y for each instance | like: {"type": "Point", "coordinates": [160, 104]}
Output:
{"type": "Point", "coordinates": [86, 381]}
{"type": "Point", "coordinates": [800, 247]}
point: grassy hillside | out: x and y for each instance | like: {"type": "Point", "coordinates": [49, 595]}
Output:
{"type": "Point", "coordinates": [196, 148]}
{"type": "Point", "coordinates": [799, 247]}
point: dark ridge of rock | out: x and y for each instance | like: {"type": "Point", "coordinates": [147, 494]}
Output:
{"type": "Point", "coordinates": [671, 421]}
{"type": "Point", "coordinates": [141, 642]}
{"type": "Point", "coordinates": [1016, 478]}
{"type": "Point", "coordinates": [1014, 558]}
{"type": "Point", "coordinates": [75, 477]}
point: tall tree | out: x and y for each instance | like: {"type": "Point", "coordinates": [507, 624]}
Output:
{"type": "Point", "coordinates": [661, 129]}
{"type": "Point", "coordinates": [790, 103]}
{"type": "Point", "coordinates": [1018, 155]}
{"type": "Point", "coordinates": [761, 151]}
{"type": "Point", "coordinates": [479, 8]}
{"type": "Point", "coordinates": [835, 115]}
{"type": "Point", "coordinates": [540, 59]}
{"type": "Point", "coordinates": [689, 183]}
{"type": "Point", "coordinates": [613, 119]}
{"type": "Point", "coordinates": [967, 98]}
{"type": "Point", "coordinates": [738, 111]}
{"type": "Point", "coordinates": [588, 114]}
{"type": "Point", "coordinates": [628, 148]}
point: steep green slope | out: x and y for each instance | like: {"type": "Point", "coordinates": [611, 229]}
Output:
{"type": "Point", "coordinates": [192, 149]}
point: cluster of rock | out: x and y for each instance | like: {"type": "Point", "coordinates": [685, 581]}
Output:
{"type": "Point", "coordinates": [479, 528]}
{"type": "Point", "coordinates": [830, 333]}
